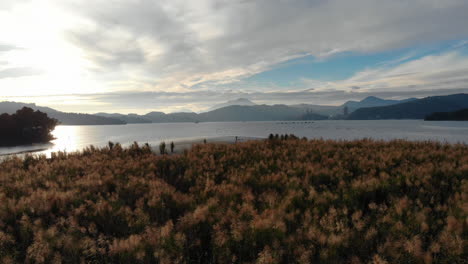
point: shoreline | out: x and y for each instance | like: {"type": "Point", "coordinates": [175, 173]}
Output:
{"type": "Point", "coordinates": [179, 145]}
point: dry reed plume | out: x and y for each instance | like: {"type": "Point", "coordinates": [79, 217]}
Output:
{"type": "Point", "coordinates": [273, 201]}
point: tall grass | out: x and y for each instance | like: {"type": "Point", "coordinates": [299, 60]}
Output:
{"type": "Point", "coordinates": [273, 201]}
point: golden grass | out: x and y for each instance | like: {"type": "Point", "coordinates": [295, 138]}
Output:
{"type": "Point", "coordinates": [274, 201]}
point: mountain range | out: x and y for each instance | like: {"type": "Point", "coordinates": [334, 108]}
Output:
{"type": "Point", "coordinates": [239, 101]}
{"type": "Point", "coordinates": [414, 109]}
{"type": "Point", "coordinates": [245, 110]}
{"type": "Point", "coordinates": [373, 101]}
{"type": "Point", "coordinates": [337, 112]}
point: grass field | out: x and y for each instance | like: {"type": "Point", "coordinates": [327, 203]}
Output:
{"type": "Point", "coordinates": [271, 201]}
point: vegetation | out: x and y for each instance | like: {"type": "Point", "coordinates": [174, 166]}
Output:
{"type": "Point", "coordinates": [26, 126]}
{"type": "Point", "coordinates": [172, 146]}
{"type": "Point", "coordinates": [272, 201]}
{"type": "Point", "coordinates": [162, 148]}
{"type": "Point", "coordinates": [461, 115]}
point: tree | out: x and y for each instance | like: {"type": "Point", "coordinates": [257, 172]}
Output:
{"type": "Point", "coordinates": [172, 146]}
{"type": "Point", "coordinates": [26, 126]}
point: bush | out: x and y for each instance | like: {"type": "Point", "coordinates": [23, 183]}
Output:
{"type": "Point", "coordinates": [162, 148]}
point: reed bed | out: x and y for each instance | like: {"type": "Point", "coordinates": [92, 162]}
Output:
{"type": "Point", "coordinates": [271, 201]}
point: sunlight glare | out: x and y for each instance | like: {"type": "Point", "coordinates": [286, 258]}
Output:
{"type": "Point", "coordinates": [66, 138]}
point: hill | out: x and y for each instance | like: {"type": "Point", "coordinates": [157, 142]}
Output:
{"type": "Point", "coordinates": [228, 113]}
{"type": "Point", "coordinates": [277, 201]}
{"type": "Point", "coordinates": [372, 101]}
{"type": "Point", "coordinates": [160, 117]}
{"type": "Point", "coordinates": [253, 113]}
{"type": "Point", "coordinates": [244, 110]}
{"type": "Point", "coordinates": [62, 117]}
{"type": "Point", "coordinates": [239, 101]}
{"type": "Point", "coordinates": [129, 119]}
{"type": "Point", "coordinates": [415, 109]}
{"type": "Point", "coordinates": [336, 112]}
{"type": "Point", "coordinates": [325, 110]}
{"type": "Point", "coordinates": [460, 115]}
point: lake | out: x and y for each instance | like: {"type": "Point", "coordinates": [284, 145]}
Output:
{"type": "Point", "coordinates": [73, 138]}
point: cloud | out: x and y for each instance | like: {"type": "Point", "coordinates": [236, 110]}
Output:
{"type": "Point", "coordinates": [142, 55]}
{"type": "Point", "coordinates": [8, 4]}
{"type": "Point", "coordinates": [430, 75]}
{"type": "Point", "coordinates": [18, 72]}
{"type": "Point", "coordinates": [440, 73]}
{"type": "Point", "coordinates": [6, 47]}
{"type": "Point", "coordinates": [179, 44]}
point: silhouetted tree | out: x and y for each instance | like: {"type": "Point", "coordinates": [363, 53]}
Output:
{"type": "Point", "coordinates": [172, 146]}
{"type": "Point", "coordinates": [26, 126]}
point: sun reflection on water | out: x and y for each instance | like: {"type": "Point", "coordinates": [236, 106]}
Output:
{"type": "Point", "coordinates": [66, 139]}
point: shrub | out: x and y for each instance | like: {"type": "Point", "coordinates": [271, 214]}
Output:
{"type": "Point", "coordinates": [162, 148]}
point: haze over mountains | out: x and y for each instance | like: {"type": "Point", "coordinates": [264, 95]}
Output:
{"type": "Point", "coordinates": [245, 110]}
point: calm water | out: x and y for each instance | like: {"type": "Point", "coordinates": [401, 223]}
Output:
{"type": "Point", "coordinates": [72, 138]}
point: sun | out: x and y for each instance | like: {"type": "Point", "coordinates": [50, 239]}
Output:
{"type": "Point", "coordinates": [37, 31]}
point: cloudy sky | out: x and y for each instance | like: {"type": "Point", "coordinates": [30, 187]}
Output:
{"type": "Point", "coordinates": [174, 55]}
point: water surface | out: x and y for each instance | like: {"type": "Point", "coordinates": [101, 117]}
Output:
{"type": "Point", "coordinates": [73, 138]}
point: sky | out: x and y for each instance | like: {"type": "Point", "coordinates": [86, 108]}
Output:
{"type": "Point", "coordinates": [137, 56]}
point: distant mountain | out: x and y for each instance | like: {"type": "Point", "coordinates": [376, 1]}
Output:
{"type": "Point", "coordinates": [228, 113]}
{"type": "Point", "coordinates": [336, 112]}
{"type": "Point", "coordinates": [372, 101]}
{"type": "Point", "coordinates": [253, 113]}
{"type": "Point", "coordinates": [62, 117]}
{"type": "Point", "coordinates": [160, 117]}
{"type": "Point", "coordinates": [240, 101]}
{"type": "Point", "coordinates": [310, 115]}
{"type": "Point", "coordinates": [325, 110]}
{"type": "Point", "coordinates": [245, 110]}
{"type": "Point", "coordinates": [414, 109]}
{"type": "Point", "coordinates": [460, 115]}
{"type": "Point", "coordinates": [129, 119]}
